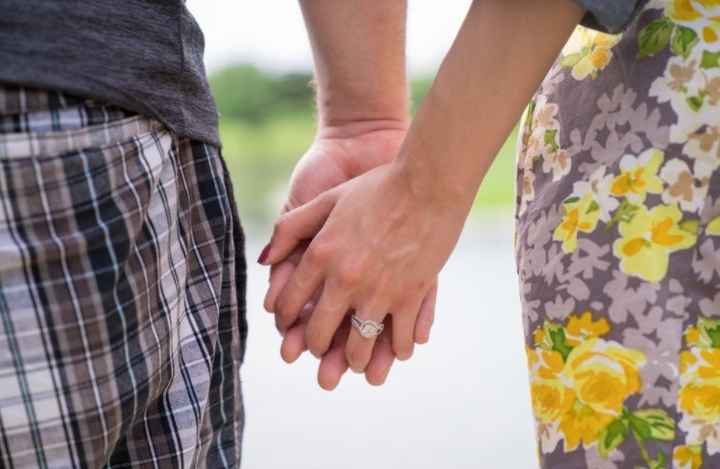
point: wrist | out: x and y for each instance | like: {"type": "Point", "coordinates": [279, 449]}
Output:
{"type": "Point", "coordinates": [349, 105]}
{"type": "Point", "coordinates": [351, 119]}
{"type": "Point", "coordinates": [432, 190]}
{"type": "Point", "coordinates": [363, 127]}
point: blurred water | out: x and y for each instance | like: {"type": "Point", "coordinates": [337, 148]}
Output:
{"type": "Point", "coordinates": [461, 402]}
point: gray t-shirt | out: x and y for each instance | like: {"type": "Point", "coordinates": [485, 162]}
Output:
{"type": "Point", "coordinates": [611, 16]}
{"type": "Point", "coordinates": [145, 55]}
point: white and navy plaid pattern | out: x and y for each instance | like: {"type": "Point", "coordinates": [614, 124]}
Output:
{"type": "Point", "coordinates": [122, 283]}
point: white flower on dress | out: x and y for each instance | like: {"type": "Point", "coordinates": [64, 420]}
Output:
{"type": "Point", "coordinates": [682, 186]}
{"type": "Point", "coordinates": [549, 436]}
{"type": "Point", "coordinates": [557, 162]}
{"type": "Point", "coordinates": [704, 148]}
{"type": "Point", "coordinates": [693, 93]}
{"type": "Point", "coordinates": [598, 184]}
{"type": "Point", "coordinates": [533, 150]}
{"type": "Point", "coordinates": [543, 141]}
{"type": "Point", "coordinates": [545, 112]}
{"type": "Point", "coordinates": [526, 189]}
{"type": "Point", "coordinates": [699, 431]}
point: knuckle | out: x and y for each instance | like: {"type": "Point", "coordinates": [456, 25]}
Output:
{"type": "Point", "coordinates": [349, 276]}
{"type": "Point", "coordinates": [280, 305]}
{"type": "Point", "coordinates": [319, 252]}
{"type": "Point", "coordinates": [283, 317]}
{"type": "Point", "coordinates": [280, 226]}
{"type": "Point", "coordinates": [298, 283]}
{"type": "Point", "coordinates": [269, 305]}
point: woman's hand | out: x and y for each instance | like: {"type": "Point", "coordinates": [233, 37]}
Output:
{"type": "Point", "coordinates": [337, 155]}
{"type": "Point", "coordinates": [381, 239]}
{"type": "Point", "coordinates": [377, 246]}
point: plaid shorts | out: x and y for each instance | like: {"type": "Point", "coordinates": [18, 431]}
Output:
{"type": "Point", "coordinates": [122, 283]}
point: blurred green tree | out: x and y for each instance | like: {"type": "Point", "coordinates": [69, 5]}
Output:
{"type": "Point", "coordinates": [246, 93]}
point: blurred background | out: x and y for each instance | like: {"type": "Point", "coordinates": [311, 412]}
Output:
{"type": "Point", "coordinates": [463, 400]}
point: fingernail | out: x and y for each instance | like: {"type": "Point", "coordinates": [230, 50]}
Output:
{"type": "Point", "coordinates": [264, 254]}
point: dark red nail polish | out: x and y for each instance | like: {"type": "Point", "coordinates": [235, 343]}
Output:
{"type": "Point", "coordinates": [264, 254]}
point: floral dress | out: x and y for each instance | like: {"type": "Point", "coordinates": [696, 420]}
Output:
{"type": "Point", "coordinates": [618, 244]}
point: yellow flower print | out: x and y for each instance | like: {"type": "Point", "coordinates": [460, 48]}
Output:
{"type": "Point", "coordinates": [551, 398]}
{"type": "Point", "coordinates": [583, 425]}
{"type": "Point", "coordinates": [539, 336]}
{"type": "Point", "coordinates": [687, 361]}
{"type": "Point", "coordinates": [579, 384]}
{"type": "Point", "coordinates": [580, 215]}
{"type": "Point", "coordinates": [692, 335]}
{"type": "Point", "coordinates": [638, 176]}
{"type": "Point", "coordinates": [583, 327]}
{"type": "Point", "coordinates": [688, 457]}
{"type": "Point", "coordinates": [588, 52]}
{"type": "Point", "coordinates": [685, 10]}
{"type": "Point", "coordinates": [713, 228]}
{"type": "Point", "coordinates": [699, 395]}
{"type": "Point", "coordinates": [648, 239]}
{"type": "Point", "coordinates": [701, 401]}
{"type": "Point", "coordinates": [604, 374]}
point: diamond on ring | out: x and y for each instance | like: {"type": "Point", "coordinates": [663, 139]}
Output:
{"type": "Point", "coordinates": [367, 328]}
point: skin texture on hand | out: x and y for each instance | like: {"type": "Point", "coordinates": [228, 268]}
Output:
{"type": "Point", "coordinates": [381, 259]}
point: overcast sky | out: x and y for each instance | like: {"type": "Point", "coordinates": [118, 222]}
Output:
{"type": "Point", "coordinates": [270, 33]}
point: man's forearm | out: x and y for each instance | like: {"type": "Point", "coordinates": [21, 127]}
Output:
{"type": "Point", "coordinates": [499, 58]}
{"type": "Point", "coordinates": [359, 52]}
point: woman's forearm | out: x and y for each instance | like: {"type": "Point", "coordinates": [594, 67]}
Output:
{"type": "Point", "coordinates": [359, 53]}
{"type": "Point", "coordinates": [500, 56]}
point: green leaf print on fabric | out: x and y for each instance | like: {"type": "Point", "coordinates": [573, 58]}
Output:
{"type": "Point", "coordinates": [690, 225]}
{"type": "Point", "coordinates": [709, 332]}
{"type": "Point", "coordinates": [612, 437]}
{"type": "Point", "coordinates": [571, 60]}
{"type": "Point", "coordinates": [710, 60]}
{"type": "Point", "coordinates": [695, 102]}
{"type": "Point", "coordinates": [558, 340]}
{"type": "Point", "coordinates": [683, 41]}
{"type": "Point", "coordinates": [655, 37]}
{"type": "Point", "coordinates": [551, 139]}
{"type": "Point", "coordinates": [659, 424]}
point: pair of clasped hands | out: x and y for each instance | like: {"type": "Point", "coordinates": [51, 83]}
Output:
{"type": "Point", "coordinates": [377, 205]}
{"type": "Point", "coordinates": [354, 237]}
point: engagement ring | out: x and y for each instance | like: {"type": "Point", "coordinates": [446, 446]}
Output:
{"type": "Point", "coordinates": [367, 328]}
